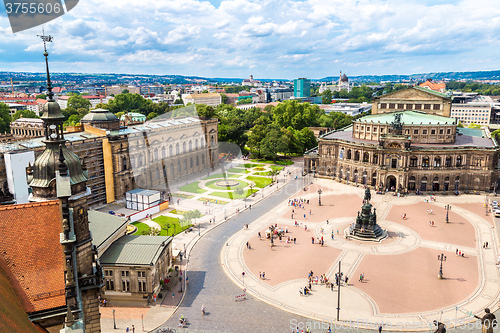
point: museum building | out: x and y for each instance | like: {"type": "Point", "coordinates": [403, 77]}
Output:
{"type": "Point", "coordinates": [408, 143]}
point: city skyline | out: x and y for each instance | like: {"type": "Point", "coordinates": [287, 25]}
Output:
{"type": "Point", "coordinates": [271, 39]}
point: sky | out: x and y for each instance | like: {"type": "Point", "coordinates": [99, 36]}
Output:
{"type": "Point", "coordinates": [265, 38]}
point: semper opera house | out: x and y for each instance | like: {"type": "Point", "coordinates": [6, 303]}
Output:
{"type": "Point", "coordinates": [409, 143]}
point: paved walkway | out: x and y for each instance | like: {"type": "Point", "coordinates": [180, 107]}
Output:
{"type": "Point", "coordinates": [408, 292]}
{"type": "Point", "coordinates": [161, 310]}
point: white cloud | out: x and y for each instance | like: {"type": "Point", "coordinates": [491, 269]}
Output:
{"type": "Point", "coordinates": [320, 36]}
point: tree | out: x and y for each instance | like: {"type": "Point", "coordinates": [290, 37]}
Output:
{"type": "Point", "coordinates": [473, 125]}
{"type": "Point", "coordinates": [179, 101]}
{"type": "Point", "coordinates": [326, 96]}
{"type": "Point", "coordinates": [223, 98]}
{"type": "Point", "coordinates": [306, 137]}
{"type": "Point", "coordinates": [151, 115]}
{"type": "Point", "coordinates": [4, 118]}
{"type": "Point", "coordinates": [246, 100]}
{"type": "Point", "coordinates": [102, 106]}
{"type": "Point", "coordinates": [78, 102]}
{"type": "Point", "coordinates": [41, 96]}
{"type": "Point", "coordinates": [188, 216]}
{"type": "Point", "coordinates": [73, 120]}
{"type": "Point", "coordinates": [24, 114]}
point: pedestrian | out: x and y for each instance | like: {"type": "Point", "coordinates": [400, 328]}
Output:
{"type": "Point", "coordinates": [260, 275]}
{"type": "Point", "coordinates": [294, 240]}
{"type": "Point", "coordinates": [456, 252]}
{"type": "Point", "coordinates": [310, 211]}
{"type": "Point", "coordinates": [486, 244]}
{"type": "Point", "coordinates": [346, 279]}
{"type": "Point", "coordinates": [380, 329]}
{"type": "Point", "coordinates": [258, 235]}
{"type": "Point", "coordinates": [304, 215]}
{"type": "Point", "coordinates": [333, 236]}
{"type": "Point", "coordinates": [312, 240]}
{"type": "Point", "coordinates": [305, 227]}
{"type": "Point", "coordinates": [327, 222]}
{"type": "Point", "coordinates": [127, 329]}
{"type": "Point", "coordinates": [263, 275]}
{"type": "Point", "coordinates": [133, 329]}
{"type": "Point", "coordinates": [331, 286]}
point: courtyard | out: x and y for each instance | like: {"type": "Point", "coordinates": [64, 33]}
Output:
{"type": "Point", "coordinates": [400, 282]}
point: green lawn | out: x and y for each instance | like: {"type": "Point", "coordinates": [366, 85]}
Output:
{"type": "Point", "coordinates": [279, 162]}
{"type": "Point", "coordinates": [220, 175]}
{"type": "Point", "coordinates": [211, 184]}
{"type": "Point", "coordinates": [218, 202]}
{"type": "Point", "coordinates": [275, 167]}
{"type": "Point", "coordinates": [140, 227]}
{"type": "Point", "coordinates": [261, 173]}
{"type": "Point", "coordinates": [182, 195]}
{"type": "Point", "coordinates": [248, 165]}
{"type": "Point", "coordinates": [172, 223]}
{"type": "Point", "coordinates": [177, 211]}
{"type": "Point", "coordinates": [238, 170]}
{"type": "Point", "coordinates": [232, 195]}
{"type": "Point", "coordinates": [260, 181]}
{"type": "Point", "coordinates": [193, 188]}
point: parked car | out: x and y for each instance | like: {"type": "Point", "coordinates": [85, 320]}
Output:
{"type": "Point", "coordinates": [497, 213]}
{"type": "Point", "coordinates": [494, 203]}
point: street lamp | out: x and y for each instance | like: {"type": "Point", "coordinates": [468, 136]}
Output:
{"type": "Point", "coordinates": [243, 275]}
{"type": "Point", "coordinates": [441, 257]}
{"type": "Point", "coordinates": [114, 321]}
{"type": "Point", "coordinates": [448, 208]}
{"type": "Point", "coordinates": [319, 196]}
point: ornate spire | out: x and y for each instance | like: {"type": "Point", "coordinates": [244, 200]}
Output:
{"type": "Point", "coordinates": [47, 39]}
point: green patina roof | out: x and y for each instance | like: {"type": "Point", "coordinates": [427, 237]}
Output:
{"type": "Point", "coordinates": [479, 133]}
{"type": "Point", "coordinates": [430, 91]}
{"type": "Point", "coordinates": [409, 117]}
{"type": "Point", "coordinates": [99, 115]}
{"type": "Point", "coordinates": [104, 225]}
{"type": "Point", "coordinates": [135, 250]}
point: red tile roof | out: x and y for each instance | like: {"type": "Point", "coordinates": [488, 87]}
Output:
{"type": "Point", "coordinates": [31, 253]}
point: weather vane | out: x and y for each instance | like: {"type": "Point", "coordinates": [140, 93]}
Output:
{"type": "Point", "coordinates": [45, 39]}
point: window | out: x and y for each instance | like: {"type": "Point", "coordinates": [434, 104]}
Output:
{"type": "Point", "coordinates": [441, 131]}
{"type": "Point", "coordinates": [163, 152]}
{"type": "Point", "coordinates": [125, 273]}
{"type": "Point", "coordinates": [190, 145]}
{"type": "Point", "coordinates": [401, 106]}
{"type": "Point", "coordinates": [203, 159]}
{"type": "Point", "coordinates": [418, 106]}
{"type": "Point", "coordinates": [196, 144]}
{"type": "Point", "coordinates": [142, 286]}
{"type": "Point", "coordinates": [425, 162]}
{"type": "Point", "coordinates": [415, 131]}
{"type": "Point", "coordinates": [433, 131]}
{"type": "Point", "coordinates": [176, 149]}
{"type": "Point", "coordinates": [383, 105]}
{"type": "Point", "coordinates": [156, 154]}
{"type": "Point", "coordinates": [374, 130]}
{"type": "Point", "coordinates": [448, 131]}
{"type": "Point", "coordinates": [459, 161]}
{"type": "Point", "coordinates": [141, 274]}
{"type": "Point", "coordinates": [110, 284]}
{"type": "Point", "coordinates": [392, 106]}
{"type": "Point", "coordinates": [424, 131]}
{"type": "Point", "coordinates": [197, 161]}
{"type": "Point", "coordinates": [108, 273]}
{"type": "Point", "coordinates": [436, 107]}
{"type": "Point", "coordinates": [368, 128]}
{"type": "Point", "coordinates": [427, 106]}
{"type": "Point", "coordinates": [437, 162]}
{"type": "Point", "coordinates": [170, 150]}
{"type": "Point", "coordinates": [184, 147]}
{"type": "Point", "coordinates": [125, 285]}
{"type": "Point", "coordinates": [448, 161]}
{"type": "Point", "coordinates": [413, 161]}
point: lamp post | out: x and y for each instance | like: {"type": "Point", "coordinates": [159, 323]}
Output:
{"type": "Point", "coordinates": [441, 257]}
{"type": "Point", "coordinates": [243, 276]}
{"type": "Point", "coordinates": [319, 196]}
{"type": "Point", "coordinates": [114, 321]}
{"type": "Point", "coordinates": [224, 214]}
{"type": "Point", "coordinates": [448, 208]}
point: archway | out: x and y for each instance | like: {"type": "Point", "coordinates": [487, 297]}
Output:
{"type": "Point", "coordinates": [390, 183]}
{"type": "Point", "coordinates": [435, 184]}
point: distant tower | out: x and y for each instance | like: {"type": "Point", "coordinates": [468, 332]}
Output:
{"type": "Point", "coordinates": [58, 174]}
{"type": "Point", "coordinates": [344, 82]}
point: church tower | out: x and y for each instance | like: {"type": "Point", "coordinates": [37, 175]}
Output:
{"type": "Point", "coordinates": [58, 174]}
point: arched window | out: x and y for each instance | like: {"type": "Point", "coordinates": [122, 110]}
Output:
{"type": "Point", "coordinates": [184, 147]}
{"type": "Point", "coordinates": [349, 154]}
{"type": "Point", "coordinates": [132, 161]}
{"type": "Point", "coordinates": [197, 161]}
{"type": "Point", "coordinates": [124, 163]}
{"type": "Point", "coordinates": [366, 157]}
{"type": "Point", "coordinates": [178, 166]}
{"type": "Point", "coordinates": [448, 161]}
{"type": "Point", "coordinates": [156, 154]}
{"type": "Point", "coordinates": [190, 145]}
{"type": "Point", "coordinates": [356, 155]}
{"type": "Point", "coordinates": [177, 152]}
{"type": "Point", "coordinates": [213, 140]}
{"type": "Point", "coordinates": [170, 151]}
{"type": "Point", "coordinates": [191, 162]}
{"type": "Point", "coordinates": [171, 170]}
{"type": "Point", "coordinates": [425, 162]}
{"type": "Point", "coordinates": [163, 152]}
{"type": "Point", "coordinates": [437, 162]}
{"type": "Point", "coordinates": [413, 161]}
{"type": "Point", "coordinates": [140, 160]}
{"type": "Point", "coordinates": [459, 161]}
{"type": "Point", "coordinates": [196, 144]}
{"type": "Point", "coordinates": [185, 165]}
{"type": "Point", "coordinates": [375, 158]}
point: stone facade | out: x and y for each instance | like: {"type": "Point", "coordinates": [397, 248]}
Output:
{"type": "Point", "coordinates": [443, 158]}
{"type": "Point", "coordinates": [414, 98]}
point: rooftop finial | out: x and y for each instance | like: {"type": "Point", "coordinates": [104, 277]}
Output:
{"type": "Point", "coordinates": [47, 39]}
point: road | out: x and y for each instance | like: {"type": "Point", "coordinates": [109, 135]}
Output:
{"type": "Point", "coordinates": [210, 286]}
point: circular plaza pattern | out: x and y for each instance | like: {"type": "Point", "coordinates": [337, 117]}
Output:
{"type": "Point", "coordinates": [227, 183]}
{"type": "Point", "coordinates": [400, 284]}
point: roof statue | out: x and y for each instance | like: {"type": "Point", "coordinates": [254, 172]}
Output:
{"type": "Point", "coordinates": [368, 195]}
{"type": "Point", "coordinates": [397, 125]}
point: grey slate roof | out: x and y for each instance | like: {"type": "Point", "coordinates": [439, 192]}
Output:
{"type": "Point", "coordinates": [104, 225]}
{"type": "Point", "coordinates": [135, 250]}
